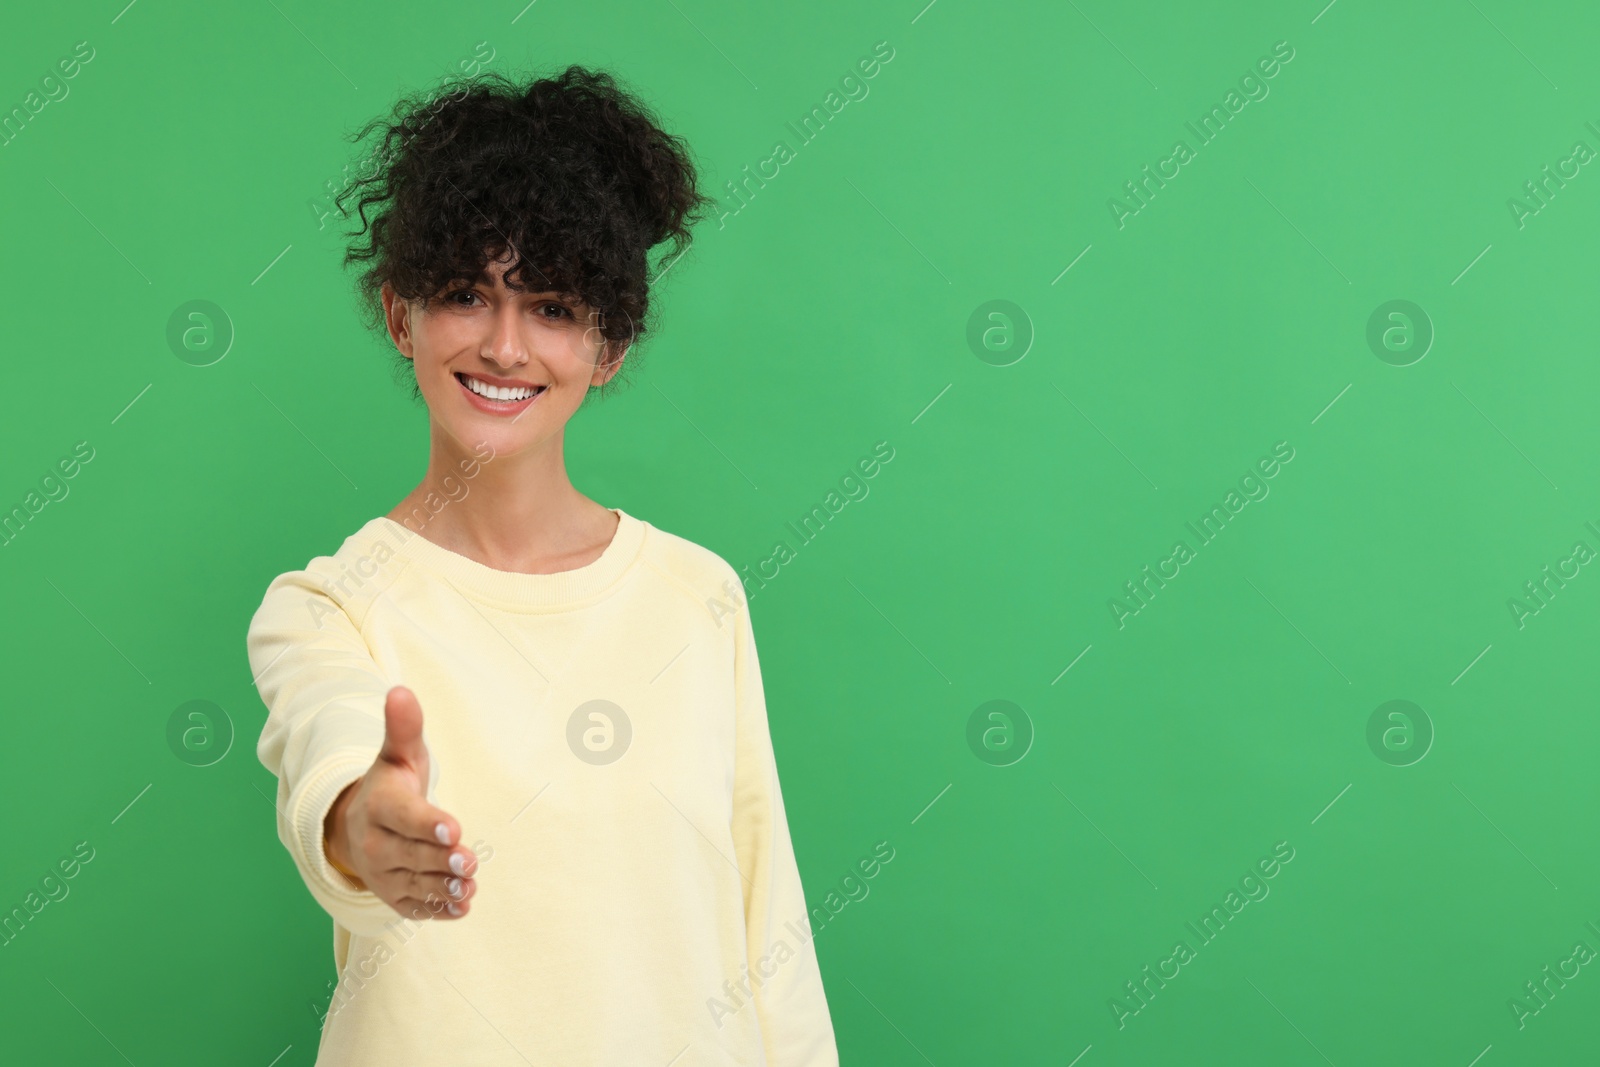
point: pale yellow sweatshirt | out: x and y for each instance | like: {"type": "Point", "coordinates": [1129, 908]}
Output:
{"type": "Point", "coordinates": [601, 735]}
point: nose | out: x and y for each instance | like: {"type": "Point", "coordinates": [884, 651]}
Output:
{"type": "Point", "coordinates": [503, 342]}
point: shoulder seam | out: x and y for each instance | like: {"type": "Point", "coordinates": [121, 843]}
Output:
{"type": "Point", "coordinates": [366, 611]}
{"type": "Point", "coordinates": [358, 605]}
{"type": "Point", "coordinates": [681, 585]}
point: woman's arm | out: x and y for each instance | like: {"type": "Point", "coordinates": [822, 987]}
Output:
{"type": "Point", "coordinates": [325, 726]}
{"type": "Point", "coordinates": [795, 1024]}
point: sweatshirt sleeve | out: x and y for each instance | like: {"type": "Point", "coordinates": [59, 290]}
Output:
{"type": "Point", "coordinates": [796, 1027]}
{"type": "Point", "coordinates": [324, 696]}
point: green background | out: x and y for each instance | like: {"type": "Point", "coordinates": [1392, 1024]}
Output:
{"type": "Point", "coordinates": [831, 313]}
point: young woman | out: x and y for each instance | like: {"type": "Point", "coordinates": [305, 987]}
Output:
{"type": "Point", "coordinates": [595, 720]}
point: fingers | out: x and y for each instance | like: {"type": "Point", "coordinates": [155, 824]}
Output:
{"type": "Point", "coordinates": [398, 862]}
{"type": "Point", "coordinates": [398, 800]}
{"type": "Point", "coordinates": [399, 835]}
{"type": "Point", "coordinates": [432, 897]}
{"type": "Point", "coordinates": [411, 846]}
{"type": "Point", "coordinates": [431, 831]}
{"type": "Point", "coordinates": [427, 886]}
{"type": "Point", "coordinates": [422, 856]}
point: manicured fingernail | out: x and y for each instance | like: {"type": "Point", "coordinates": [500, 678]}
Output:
{"type": "Point", "coordinates": [442, 832]}
{"type": "Point", "coordinates": [453, 909]}
{"type": "Point", "coordinates": [453, 887]}
{"type": "Point", "coordinates": [457, 864]}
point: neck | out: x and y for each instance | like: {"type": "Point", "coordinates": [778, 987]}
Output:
{"type": "Point", "coordinates": [511, 511]}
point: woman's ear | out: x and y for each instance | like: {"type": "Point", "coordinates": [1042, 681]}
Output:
{"type": "Point", "coordinates": [397, 317]}
{"type": "Point", "coordinates": [613, 355]}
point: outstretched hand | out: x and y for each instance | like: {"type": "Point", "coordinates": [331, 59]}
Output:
{"type": "Point", "coordinates": [382, 827]}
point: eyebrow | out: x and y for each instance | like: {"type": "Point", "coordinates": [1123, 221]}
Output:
{"type": "Point", "coordinates": [488, 283]}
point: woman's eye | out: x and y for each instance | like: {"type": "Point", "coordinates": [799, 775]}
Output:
{"type": "Point", "coordinates": [560, 309]}
{"type": "Point", "coordinates": [455, 297]}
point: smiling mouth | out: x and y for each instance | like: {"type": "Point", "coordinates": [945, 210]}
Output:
{"type": "Point", "coordinates": [498, 394]}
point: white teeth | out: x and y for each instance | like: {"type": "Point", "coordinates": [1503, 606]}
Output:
{"type": "Point", "coordinates": [497, 392]}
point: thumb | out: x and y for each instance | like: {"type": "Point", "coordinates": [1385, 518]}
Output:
{"type": "Point", "coordinates": [402, 731]}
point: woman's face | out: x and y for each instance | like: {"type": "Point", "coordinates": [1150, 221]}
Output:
{"type": "Point", "coordinates": [484, 338]}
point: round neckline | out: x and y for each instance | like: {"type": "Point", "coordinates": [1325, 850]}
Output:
{"type": "Point", "coordinates": [519, 591]}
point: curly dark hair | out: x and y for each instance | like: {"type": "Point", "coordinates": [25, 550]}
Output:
{"type": "Point", "coordinates": [571, 171]}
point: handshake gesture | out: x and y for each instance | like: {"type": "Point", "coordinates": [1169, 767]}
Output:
{"type": "Point", "coordinates": [383, 833]}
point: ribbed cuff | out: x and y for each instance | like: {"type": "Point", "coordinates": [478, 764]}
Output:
{"type": "Point", "coordinates": [317, 795]}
